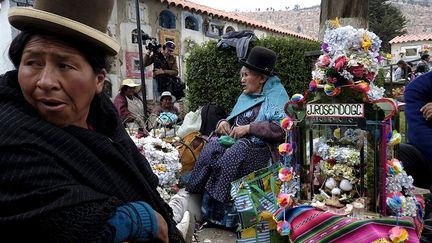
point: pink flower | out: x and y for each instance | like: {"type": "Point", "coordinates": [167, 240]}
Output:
{"type": "Point", "coordinates": [285, 148]}
{"type": "Point", "coordinates": [340, 62]}
{"type": "Point", "coordinates": [287, 123]}
{"type": "Point", "coordinates": [284, 200]}
{"type": "Point", "coordinates": [398, 234]}
{"type": "Point", "coordinates": [324, 61]}
{"type": "Point", "coordinates": [285, 174]}
{"type": "Point", "coordinates": [357, 71]}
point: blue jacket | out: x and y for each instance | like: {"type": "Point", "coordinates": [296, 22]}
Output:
{"type": "Point", "coordinates": [272, 100]}
{"type": "Point", "coordinates": [417, 94]}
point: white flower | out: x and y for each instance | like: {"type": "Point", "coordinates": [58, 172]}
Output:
{"type": "Point", "coordinates": [375, 92]}
{"type": "Point", "coordinates": [162, 157]}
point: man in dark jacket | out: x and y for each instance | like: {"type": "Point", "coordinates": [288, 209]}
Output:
{"type": "Point", "coordinates": [165, 67]}
{"type": "Point", "coordinates": [417, 156]}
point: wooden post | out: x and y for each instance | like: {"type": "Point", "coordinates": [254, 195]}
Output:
{"type": "Point", "coordinates": [349, 12]}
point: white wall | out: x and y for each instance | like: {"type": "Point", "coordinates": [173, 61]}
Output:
{"type": "Point", "coordinates": [5, 37]}
{"type": "Point", "coordinates": [397, 48]}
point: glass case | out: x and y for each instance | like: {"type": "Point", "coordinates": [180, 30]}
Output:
{"type": "Point", "coordinates": [342, 169]}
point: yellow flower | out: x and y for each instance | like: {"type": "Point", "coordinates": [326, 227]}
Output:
{"type": "Point", "coordinates": [337, 133]}
{"type": "Point", "coordinates": [382, 240]}
{"type": "Point", "coordinates": [161, 168]}
{"type": "Point", "coordinates": [395, 138]}
{"type": "Point", "coordinates": [398, 234]}
{"type": "Point", "coordinates": [367, 42]}
{"type": "Point", "coordinates": [335, 23]}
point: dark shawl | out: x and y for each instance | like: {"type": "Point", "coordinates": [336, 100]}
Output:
{"type": "Point", "coordinates": [62, 184]}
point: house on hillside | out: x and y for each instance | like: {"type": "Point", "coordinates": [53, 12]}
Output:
{"type": "Point", "coordinates": [186, 23]}
{"type": "Point", "coordinates": [410, 47]}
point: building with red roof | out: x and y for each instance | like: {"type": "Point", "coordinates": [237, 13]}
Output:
{"type": "Point", "coordinates": [410, 47]}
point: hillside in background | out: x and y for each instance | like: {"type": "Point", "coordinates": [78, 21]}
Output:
{"type": "Point", "coordinates": [306, 20]}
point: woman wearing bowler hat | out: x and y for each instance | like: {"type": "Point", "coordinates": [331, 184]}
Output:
{"type": "Point", "coordinates": [68, 170]}
{"type": "Point", "coordinates": [254, 124]}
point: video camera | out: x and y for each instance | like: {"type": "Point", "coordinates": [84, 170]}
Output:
{"type": "Point", "coordinates": [152, 45]}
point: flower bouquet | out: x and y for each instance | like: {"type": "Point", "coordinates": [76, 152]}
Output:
{"type": "Point", "coordinates": [350, 59]}
{"type": "Point", "coordinates": [164, 161]}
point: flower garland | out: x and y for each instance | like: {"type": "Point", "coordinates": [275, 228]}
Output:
{"type": "Point", "coordinates": [399, 185]}
{"type": "Point", "coordinates": [288, 175]}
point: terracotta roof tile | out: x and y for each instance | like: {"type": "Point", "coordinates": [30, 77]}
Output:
{"type": "Point", "coordinates": [234, 17]}
{"type": "Point", "coordinates": [408, 38]}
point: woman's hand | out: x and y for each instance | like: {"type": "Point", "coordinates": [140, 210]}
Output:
{"type": "Point", "coordinates": [162, 232]}
{"type": "Point", "coordinates": [427, 111]}
{"type": "Point", "coordinates": [224, 128]}
{"type": "Point", "coordinates": [240, 131]}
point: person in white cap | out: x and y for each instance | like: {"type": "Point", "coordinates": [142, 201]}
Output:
{"type": "Point", "coordinates": [69, 172]}
{"type": "Point", "coordinates": [166, 104]}
{"type": "Point", "coordinates": [128, 103]}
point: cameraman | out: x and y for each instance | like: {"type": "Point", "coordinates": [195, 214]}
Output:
{"type": "Point", "coordinates": [165, 66]}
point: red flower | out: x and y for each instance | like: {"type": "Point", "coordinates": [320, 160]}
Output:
{"type": "Point", "coordinates": [357, 71]}
{"type": "Point", "coordinates": [316, 159]}
{"type": "Point", "coordinates": [370, 76]}
{"type": "Point", "coordinates": [340, 62]}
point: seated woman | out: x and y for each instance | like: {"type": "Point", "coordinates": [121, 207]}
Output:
{"type": "Point", "coordinates": [166, 104]}
{"type": "Point", "coordinates": [254, 123]}
{"type": "Point", "coordinates": [170, 113]}
{"type": "Point", "coordinates": [69, 172]}
{"type": "Point", "coordinates": [128, 103]}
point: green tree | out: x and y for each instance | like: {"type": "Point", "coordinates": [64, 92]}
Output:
{"type": "Point", "coordinates": [213, 73]}
{"type": "Point", "coordinates": [386, 21]}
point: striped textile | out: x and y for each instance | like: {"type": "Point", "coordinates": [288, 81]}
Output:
{"type": "Point", "coordinates": [311, 225]}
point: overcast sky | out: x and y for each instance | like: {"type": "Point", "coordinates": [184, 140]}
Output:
{"type": "Point", "coordinates": [252, 5]}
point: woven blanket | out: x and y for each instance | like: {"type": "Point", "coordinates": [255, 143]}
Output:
{"type": "Point", "coordinates": [312, 225]}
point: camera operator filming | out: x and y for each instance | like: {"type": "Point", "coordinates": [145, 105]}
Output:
{"type": "Point", "coordinates": [165, 65]}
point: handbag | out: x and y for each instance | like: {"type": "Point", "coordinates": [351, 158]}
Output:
{"type": "Point", "coordinates": [256, 194]}
{"type": "Point", "coordinates": [189, 149]}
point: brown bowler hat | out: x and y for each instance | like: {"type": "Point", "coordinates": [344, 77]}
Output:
{"type": "Point", "coordinates": [85, 20]}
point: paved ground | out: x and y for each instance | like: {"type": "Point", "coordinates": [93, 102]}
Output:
{"type": "Point", "coordinates": [215, 235]}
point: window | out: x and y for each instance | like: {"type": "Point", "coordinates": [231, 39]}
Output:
{"type": "Point", "coordinates": [167, 20]}
{"type": "Point", "coordinates": [411, 52]}
{"type": "Point", "coordinates": [191, 23]}
{"type": "Point", "coordinates": [134, 33]}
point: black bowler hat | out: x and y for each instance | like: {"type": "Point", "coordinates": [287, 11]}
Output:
{"type": "Point", "coordinates": [261, 60]}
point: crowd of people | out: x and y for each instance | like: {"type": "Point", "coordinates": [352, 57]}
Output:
{"type": "Point", "coordinates": [407, 70]}
{"type": "Point", "coordinates": [69, 170]}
